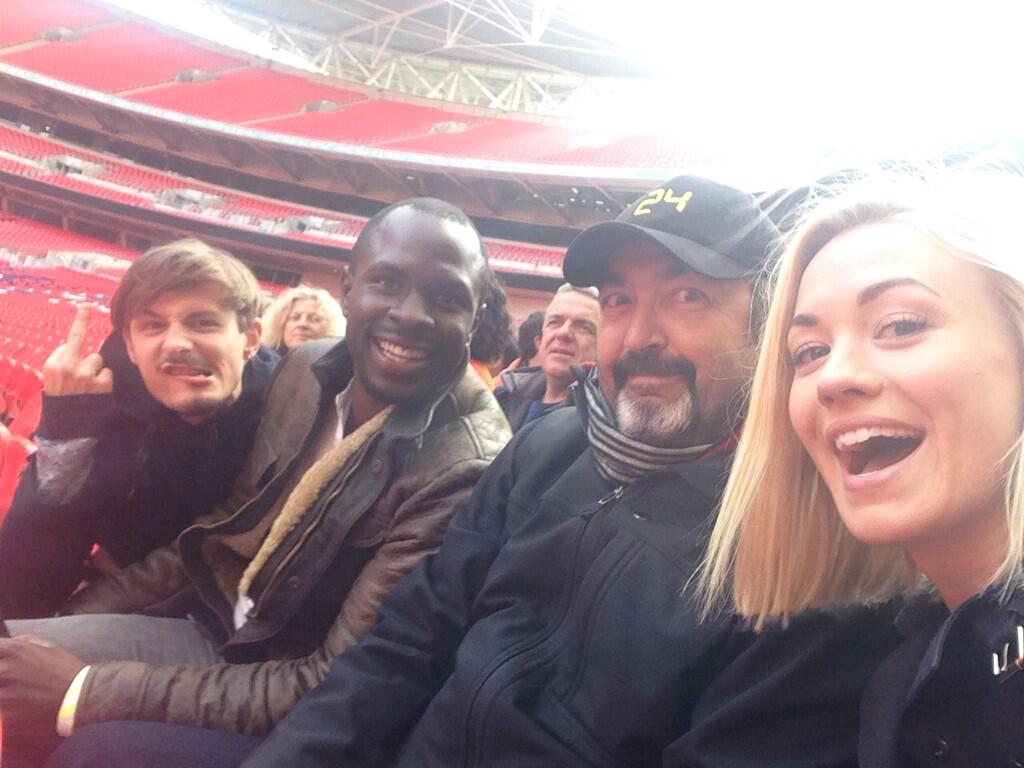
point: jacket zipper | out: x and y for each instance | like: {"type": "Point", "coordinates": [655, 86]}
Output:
{"type": "Point", "coordinates": [612, 497]}
{"type": "Point", "coordinates": [286, 560]}
{"type": "Point", "coordinates": [604, 503]}
{"type": "Point", "coordinates": [227, 621]}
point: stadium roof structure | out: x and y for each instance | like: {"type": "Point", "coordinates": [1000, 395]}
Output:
{"type": "Point", "coordinates": [510, 69]}
{"type": "Point", "coordinates": [518, 55]}
{"type": "Point", "coordinates": [500, 73]}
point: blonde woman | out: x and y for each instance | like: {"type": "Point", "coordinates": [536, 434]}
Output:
{"type": "Point", "coordinates": [882, 458]}
{"type": "Point", "coordinates": [300, 314]}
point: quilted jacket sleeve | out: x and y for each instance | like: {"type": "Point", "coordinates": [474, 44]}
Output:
{"type": "Point", "coordinates": [51, 525]}
{"type": "Point", "coordinates": [252, 698]}
{"type": "Point", "coordinates": [154, 584]}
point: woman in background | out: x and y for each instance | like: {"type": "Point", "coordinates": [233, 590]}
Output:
{"type": "Point", "coordinates": [300, 314]}
{"type": "Point", "coordinates": [882, 458]}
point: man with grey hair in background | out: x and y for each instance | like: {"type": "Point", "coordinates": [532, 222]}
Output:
{"type": "Point", "coordinates": [568, 337]}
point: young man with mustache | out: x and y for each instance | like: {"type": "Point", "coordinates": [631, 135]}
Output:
{"type": "Point", "coordinates": [138, 440]}
{"type": "Point", "coordinates": [366, 447]}
{"type": "Point", "coordinates": [555, 626]}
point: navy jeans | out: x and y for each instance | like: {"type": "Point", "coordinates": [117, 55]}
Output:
{"type": "Point", "coordinates": [151, 745]}
{"type": "Point", "coordinates": [102, 637]}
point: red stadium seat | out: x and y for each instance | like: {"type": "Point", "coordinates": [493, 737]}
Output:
{"type": "Point", "coordinates": [22, 387]}
{"type": "Point", "coordinates": [14, 453]}
{"type": "Point", "coordinates": [27, 419]}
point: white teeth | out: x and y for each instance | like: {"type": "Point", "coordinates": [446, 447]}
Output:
{"type": "Point", "coordinates": [855, 437]}
{"type": "Point", "coordinates": [403, 354]}
{"type": "Point", "coordinates": [185, 370]}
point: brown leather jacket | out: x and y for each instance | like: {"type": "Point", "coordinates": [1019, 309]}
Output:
{"type": "Point", "coordinates": [381, 513]}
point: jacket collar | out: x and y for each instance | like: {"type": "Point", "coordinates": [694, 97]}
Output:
{"type": "Point", "coordinates": [707, 475]}
{"type": "Point", "coordinates": [130, 393]}
{"type": "Point", "coordinates": [522, 378]}
{"type": "Point", "coordinates": [334, 370]}
{"type": "Point", "coordinates": [926, 616]}
{"type": "Point", "coordinates": [925, 612]}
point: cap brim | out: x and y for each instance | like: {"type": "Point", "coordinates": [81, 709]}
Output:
{"type": "Point", "coordinates": [586, 259]}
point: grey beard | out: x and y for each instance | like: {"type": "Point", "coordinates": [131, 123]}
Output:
{"type": "Point", "coordinates": [662, 426]}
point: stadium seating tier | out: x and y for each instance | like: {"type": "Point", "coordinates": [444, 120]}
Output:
{"type": "Point", "coordinates": [25, 20]}
{"type": "Point", "coordinates": [245, 95]}
{"type": "Point", "coordinates": [129, 184]}
{"type": "Point", "coordinates": [118, 57]}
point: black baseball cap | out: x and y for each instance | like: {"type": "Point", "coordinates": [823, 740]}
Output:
{"type": "Point", "coordinates": [718, 231]}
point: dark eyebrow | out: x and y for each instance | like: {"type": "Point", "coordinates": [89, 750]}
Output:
{"type": "Point", "coordinates": [673, 270]}
{"type": "Point", "coordinates": [610, 279]}
{"type": "Point", "coordinates": [866, 296]}
{"type": "Point", "coordinates": [676, 269]}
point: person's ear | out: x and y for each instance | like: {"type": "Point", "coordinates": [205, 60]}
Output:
{"type": "Point", "coordinates": [748, 357]}
{"type": "Point", "coordinates": [252, 337]}
{"type": "Point", "coordinates": [478, 318]}
{"type": "Point", "coordinates": [346, 287]}
{"type": "Point", "coordinates": [127, 336]}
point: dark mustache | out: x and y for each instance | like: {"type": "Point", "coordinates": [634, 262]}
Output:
{"type": "Point", "coordinates": [653, 363]}
{"type": "Point", "coordinates": [192, 361]}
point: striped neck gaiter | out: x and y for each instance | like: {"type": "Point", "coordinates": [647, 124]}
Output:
{"type": "Point", "coordinates": [621, 458]}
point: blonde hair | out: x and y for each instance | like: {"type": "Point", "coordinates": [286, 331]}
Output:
{"type": "Point", "coordinates": [778, 546]}
{"type": "Point", "coordinates": [277, 313]}
{"type": "Point", "coordinates": [181, 266]}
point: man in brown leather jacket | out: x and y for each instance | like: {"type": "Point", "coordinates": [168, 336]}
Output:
{"type": "Point", "coordinates": [365, 448]}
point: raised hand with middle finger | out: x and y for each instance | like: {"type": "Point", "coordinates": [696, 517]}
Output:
{"type": "Point", "coordinates": [67, 372]}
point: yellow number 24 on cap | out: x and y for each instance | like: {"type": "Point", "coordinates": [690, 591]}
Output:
{"type": "Point", "coordinates": [659, 196]}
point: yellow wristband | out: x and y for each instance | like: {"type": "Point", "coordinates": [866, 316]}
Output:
{"type": "Point", "coordinates": [68, 707]}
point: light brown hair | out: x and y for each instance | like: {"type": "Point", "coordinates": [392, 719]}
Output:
{"type": "Point", "coordinates": [181, 266]}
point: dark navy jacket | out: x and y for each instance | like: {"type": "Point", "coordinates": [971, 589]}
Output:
{"type": "Point", "coordinates": [552, 629]}
{"type": "Point", "coordinates": [936, 701]}
{"type": "Point", "coordinates": [145, 475]}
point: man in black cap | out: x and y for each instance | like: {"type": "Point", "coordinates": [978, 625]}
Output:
{"type": "Point", "coordinates": [555, 626]}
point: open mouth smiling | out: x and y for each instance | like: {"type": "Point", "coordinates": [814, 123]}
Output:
{"type": "Point", "coordinates": [399, 353]}
{"type": "Point", "coordinates": [869, 449]}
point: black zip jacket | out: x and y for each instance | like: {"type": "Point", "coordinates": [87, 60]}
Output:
{"type": "Point", "coordinates": [553, 628]}
{"type": "Point", "coordinates": [937, 700]}
{"type": "Point", "coordinates": [124, 472]}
